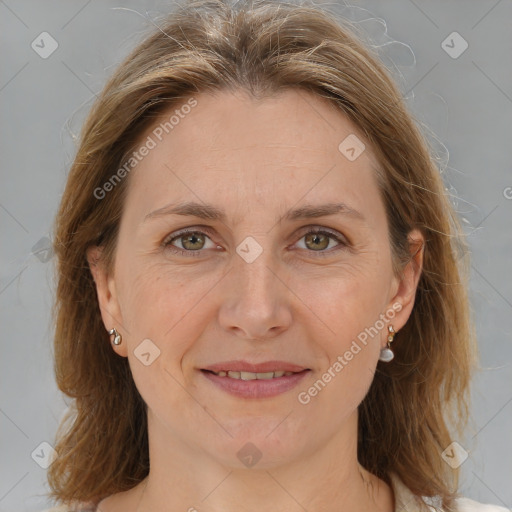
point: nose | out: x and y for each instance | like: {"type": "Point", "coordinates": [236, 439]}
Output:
{"type": "Point", "coordinates": [256, 303]}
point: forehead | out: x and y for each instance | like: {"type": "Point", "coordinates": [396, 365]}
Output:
{"type": "Point", "coordinates": [228, 145]}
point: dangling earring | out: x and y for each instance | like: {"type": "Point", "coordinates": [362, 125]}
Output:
{"type": "Point", "coordinates": [117, 337]}
{"type": "Point", "coordinates": [386, 354]}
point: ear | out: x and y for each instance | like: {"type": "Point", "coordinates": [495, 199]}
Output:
{"type": "Point", "coordinates": [406, 284]}
{"type": "Point", "coordinates": [107, 296]}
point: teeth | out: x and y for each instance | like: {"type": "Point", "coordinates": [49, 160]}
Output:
{"type": "Point", "coordinates": [267, 375]}
{"type": "Point", "coordinates": [253, 376]}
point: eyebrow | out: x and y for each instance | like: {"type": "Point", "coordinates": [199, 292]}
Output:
{"type": "Point", "coordinates": [211, 212]}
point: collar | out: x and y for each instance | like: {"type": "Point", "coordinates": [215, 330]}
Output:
{"type": "Point", "coordinates": [405, 500]}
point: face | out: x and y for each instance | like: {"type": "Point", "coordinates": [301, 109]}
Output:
{"type": "Point", "coordinates": [262, 282]}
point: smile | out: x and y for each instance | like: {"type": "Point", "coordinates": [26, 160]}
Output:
{"type": "Point", "coordinates": [253, 376]}
{"type": "Point", "coordinates": [245, 384]}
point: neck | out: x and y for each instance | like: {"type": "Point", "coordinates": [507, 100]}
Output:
{"type": "Point", "coordinates": [329, 479]}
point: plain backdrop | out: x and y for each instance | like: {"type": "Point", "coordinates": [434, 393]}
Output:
{"type": "Point", "coordinates": [464, 98]}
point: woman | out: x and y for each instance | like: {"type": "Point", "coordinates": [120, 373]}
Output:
{"type": "Point", "coordinates": [261, 301]}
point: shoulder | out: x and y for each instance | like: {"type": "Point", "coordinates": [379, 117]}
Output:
{"type": "Point", "coordinates": [467, 505]}
{"type": "Point", "coordinates": [406, 501]}
{"type": "Point", "coordinates": [67, 508]}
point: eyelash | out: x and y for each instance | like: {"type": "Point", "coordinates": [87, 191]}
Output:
{"type": "Point", "coordinates": [343, 244]}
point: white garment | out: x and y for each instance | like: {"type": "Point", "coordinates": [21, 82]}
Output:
{"type": "Point", "coordinates": [405, 501]}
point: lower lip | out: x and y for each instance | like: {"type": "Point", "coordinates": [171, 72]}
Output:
{"type": "Point", "coordinates": [257, 388]}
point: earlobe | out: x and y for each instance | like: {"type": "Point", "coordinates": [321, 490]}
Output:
{"type": "Point", "coordinates": [107, 296]}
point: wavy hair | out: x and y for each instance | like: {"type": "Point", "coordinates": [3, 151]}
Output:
{"type": "Point", "coordinates": [262, 47]}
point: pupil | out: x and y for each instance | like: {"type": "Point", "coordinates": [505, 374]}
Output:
{"type": "Point", "coordinates": [318, 240]}
{"type": "Point", "coordinates": [191, 239]}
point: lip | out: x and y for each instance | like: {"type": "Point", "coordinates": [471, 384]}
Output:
{"type": "Point", "coordinates": [256, 388]}
{"type": "Point", "coordinates": [245, 366]}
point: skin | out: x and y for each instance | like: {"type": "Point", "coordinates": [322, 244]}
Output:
{"type": "Point", "coordinates": [255, 159]}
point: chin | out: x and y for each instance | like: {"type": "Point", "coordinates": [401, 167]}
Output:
{"type": "Point", "coordinates": [257, 443]}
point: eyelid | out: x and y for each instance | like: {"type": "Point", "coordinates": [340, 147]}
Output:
{"type": "Point", "coordinates": [322, 229]}
{"type": "Point", "coordinates": [184, 231]}
{"type": "Point", "coordinates": [343, 242]}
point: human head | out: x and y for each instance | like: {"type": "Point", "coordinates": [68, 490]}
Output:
{"type": "Point", "coordinates": [211, 48]}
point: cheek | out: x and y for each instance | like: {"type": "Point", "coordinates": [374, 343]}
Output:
{"type": "Point", "coordinates": [346, 298]}
{"type": "Point", "coordinates": [162, 305]}
{"type": "Point", "coordinates": [159, 298]}
{"type": "Point", "coordinates": [349, 351]}
{"type": "Point", "coordinates": [166, 306]}
{"type": "Point", "coordinates": [349, 308]}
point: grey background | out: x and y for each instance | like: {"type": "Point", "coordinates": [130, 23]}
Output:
{"type": "Point", "coordinates": [466, 102]}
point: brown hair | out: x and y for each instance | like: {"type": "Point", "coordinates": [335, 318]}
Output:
{"type": "Point", "coordinates": [263, 47]}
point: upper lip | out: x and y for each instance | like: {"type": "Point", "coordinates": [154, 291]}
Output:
{"type": "Point", "coordinates": [245, 366]}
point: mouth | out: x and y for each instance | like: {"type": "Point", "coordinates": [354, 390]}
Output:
{"type": "Point", "coordinates": [242, 366]}
{"type": "Point", "coordinates": [255, 384]}
{"type": "Point", "coordinates": [251, 375]}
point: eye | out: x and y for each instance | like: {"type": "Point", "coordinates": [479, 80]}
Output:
{"type": "Point", "coordinates": [191, 242]}
{"type": "Point", "coordinates": [319, 240]}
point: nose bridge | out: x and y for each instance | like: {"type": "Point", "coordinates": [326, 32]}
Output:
{"type": "Point", "coordinates": [254, 273]}
{"type": "Point", "coordinates": [256, 302]}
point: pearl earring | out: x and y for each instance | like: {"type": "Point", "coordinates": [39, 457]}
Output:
{"type": "Point", "coordinates": [117, 337]}
{"type": "Point", "coordinates": [386, 354]}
